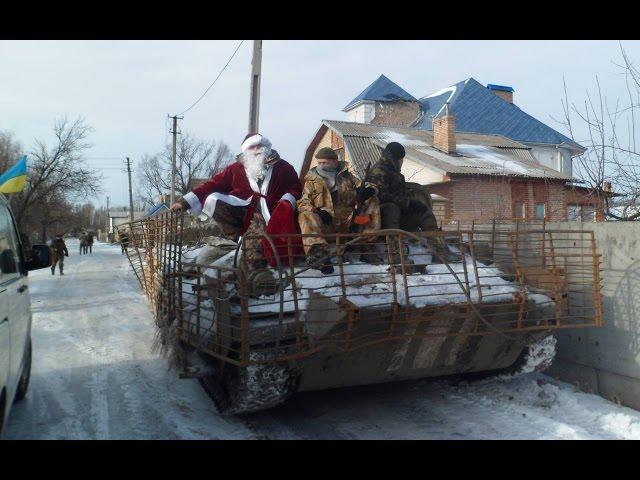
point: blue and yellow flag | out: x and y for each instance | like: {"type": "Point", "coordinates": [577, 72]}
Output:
{"type": "Point", "coordinates": [14, 179]}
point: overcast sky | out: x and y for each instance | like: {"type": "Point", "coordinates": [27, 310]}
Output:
{"type": "Point", "coordinates": [125, 89]}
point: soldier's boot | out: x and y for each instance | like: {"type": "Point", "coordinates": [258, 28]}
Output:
{"type": "Point", "coordinates": [314, 260]}
{"type": "Point", "coordinates": [61, 272]}
{"type": "Point", "coordinates": [53, 270]}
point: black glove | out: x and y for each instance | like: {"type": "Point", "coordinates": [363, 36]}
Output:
{"type": "Point", "coordinates": [365, 193]}
{"type": "Point", "coordinates": [66, 254]}
{"type": "Point", "coordinates": [415, 206]}
{"type": "Point", "coordinates": [324, 216]}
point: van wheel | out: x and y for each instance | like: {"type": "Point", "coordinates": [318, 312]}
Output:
{"type": "Point", "coordinates": [23, 385]}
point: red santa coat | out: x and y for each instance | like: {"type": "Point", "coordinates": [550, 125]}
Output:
{"type": "Point", "coordinates": [232, 186]}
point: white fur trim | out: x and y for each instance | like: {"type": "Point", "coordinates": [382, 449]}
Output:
{"type": "Point", "coordinates": [210, 203]}
{"type": "Point", "coordinates": [291, 199]}
{"type": "Point", "coordinates": [263, 201]}
{"type": "Point", "coordinates": [194, 203]}
{"type": "Point", "coordinates": [256, 139]}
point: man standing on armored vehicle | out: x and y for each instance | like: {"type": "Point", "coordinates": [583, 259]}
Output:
{"type": "Point", "coordinates": [242, 198]}
{"type": "Point", "coordinates": [403, 205]}
{"type": "Point", "coordinates": [330, 198]}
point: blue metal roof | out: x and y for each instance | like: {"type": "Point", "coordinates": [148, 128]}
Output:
{"type": "Point", "coordinates": [156, 210]}
{"type": "Point", "coordinates": [479, 110]}
{"type": "Point", "coordinates": [502, 88]}
{"type": "Point", "coordinates": [382, 90]}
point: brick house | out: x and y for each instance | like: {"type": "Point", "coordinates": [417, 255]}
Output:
{"type": "Point", "coordinates": [481, 154]}
{"type": "Point", "coordinates": [471, 177]}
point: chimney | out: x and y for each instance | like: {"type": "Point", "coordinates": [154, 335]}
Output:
{"type": "Point", "coordinates": [504, 92]}
{"type": "Point", "coordinates": [444, 132]}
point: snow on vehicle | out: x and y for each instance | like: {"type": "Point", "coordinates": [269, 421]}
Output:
{"type": "Point", "coordinates": [493, 308]}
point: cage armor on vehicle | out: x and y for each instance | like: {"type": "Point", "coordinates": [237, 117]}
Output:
{"type": "Point", "coordinates": [490, 306]}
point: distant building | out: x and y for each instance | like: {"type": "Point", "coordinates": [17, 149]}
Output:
{"type": "Point", "coordinates": [122, 216]}
{"type": "Point", "coordinates": [471, 176]}
{"type": "Point", "coordinates": [477, 109]}
{"type": "Point", "coordinates": [480, 156]}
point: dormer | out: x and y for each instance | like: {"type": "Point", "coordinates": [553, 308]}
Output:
{"type": "Point", "coordinates": [385, 100]}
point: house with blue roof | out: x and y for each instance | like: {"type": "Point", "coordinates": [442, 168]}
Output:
{"type": "Point", "coordinates": [478, 154]}
{"type": "Point", "coordinates": [478, 109]}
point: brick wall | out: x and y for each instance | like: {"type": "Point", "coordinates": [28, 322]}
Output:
{"type": "Point", "coordinates": [444, 133]}
{"type": "Point", "coordinates": [485, 198]}
{"type": "Point", "coordinates": [480, 198]}
{"type": "Point", "coordinates": [336, 141]}
{"type": "Point", "coordinates": [575, 196]}
{"type": "Point", "coordinates": [444, 190]}
{"type": "Point", "coordinates": [532, 192]}
{"type": "Point", "coordinates": [399, 113]}
{"type": "Point", "coordinates": [439, 211]}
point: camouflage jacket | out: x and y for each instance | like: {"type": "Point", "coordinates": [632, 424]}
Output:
{"type": "Point", "coordinates": [58, 248]}
{"type": "Point", "coordinates": [316, 193]}
{"type": "Point", "coordinates": [385, 174]}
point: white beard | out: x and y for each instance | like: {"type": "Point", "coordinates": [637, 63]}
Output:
{"type": "Point", "coordinates": [254, 164]}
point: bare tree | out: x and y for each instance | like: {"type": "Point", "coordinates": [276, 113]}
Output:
{"type": "Point", "coordinates": [10, 151]}
{"type": "Point", "coordinates": [56, 177]}
{"type": "Point", "coordinates": [194, 159]}
{"type": "Point", "coordinates": [609, 134]}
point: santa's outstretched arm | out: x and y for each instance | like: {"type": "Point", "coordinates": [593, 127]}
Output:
{"type": "Point", "coordinates": [221, 182]}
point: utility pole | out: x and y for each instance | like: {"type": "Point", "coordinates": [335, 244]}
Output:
{"type": "Point", "coordinates": [130, 192]}
{"type": "Point", "coordinates": [173, 162]}
{"type": "Point", "coordinates": [254, 100]}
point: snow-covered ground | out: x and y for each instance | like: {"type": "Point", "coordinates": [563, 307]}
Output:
{"type": "Point", "coordinates": [94, 377]}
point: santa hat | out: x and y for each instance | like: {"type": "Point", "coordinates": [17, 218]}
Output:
{"type": "Point", "coordinates": [252, 139]}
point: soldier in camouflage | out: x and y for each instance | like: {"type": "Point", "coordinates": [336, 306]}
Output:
{"type": "Point", "coordinates": [327, 206]}
{"type": "Point", "coordinates": [403, 205]}
{"type": "Point", "coordinates": [400, 207]}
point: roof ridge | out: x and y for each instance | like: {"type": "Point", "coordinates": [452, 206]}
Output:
{"type": "Point", "coordinates": [385, 86]}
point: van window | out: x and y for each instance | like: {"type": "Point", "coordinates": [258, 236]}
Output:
{"type": "Point", "coordinates": [8, 244]}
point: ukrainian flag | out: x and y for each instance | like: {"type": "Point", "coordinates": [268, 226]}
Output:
{"type": "Point", "coordinates": [13, 180]}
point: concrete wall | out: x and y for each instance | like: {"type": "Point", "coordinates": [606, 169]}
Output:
{"type": "Point", "coordinates": [606, 360]}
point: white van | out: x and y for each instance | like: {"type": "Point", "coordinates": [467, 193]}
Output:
{"type": "Point", "coordinates": [15, 310]}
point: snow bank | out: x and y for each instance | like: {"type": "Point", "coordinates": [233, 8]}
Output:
{"type": "Point", "coordinates": [554, 409]}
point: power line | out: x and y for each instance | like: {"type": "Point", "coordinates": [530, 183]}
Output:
{"type": "Point", "coordinates": [209, 87]}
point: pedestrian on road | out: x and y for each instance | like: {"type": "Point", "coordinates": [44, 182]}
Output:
{"type": "Point", "coordinates": [90, 242]}
{"type": "Point", "coordinates": [83, 242]}
{"type": "Point", "coordinates": [58, 252]}
{"type": "Point", "coordinates": [124, 242]}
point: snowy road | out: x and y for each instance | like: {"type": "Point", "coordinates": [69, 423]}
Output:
{"type": "Point", "coordinates": [94, 377]}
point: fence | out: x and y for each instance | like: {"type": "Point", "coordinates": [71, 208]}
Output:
{"type": "Point", "coordinates": [499, 279]}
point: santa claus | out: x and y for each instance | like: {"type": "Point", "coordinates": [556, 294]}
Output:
{"type": "Point", "coordinates": [248, 195]}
